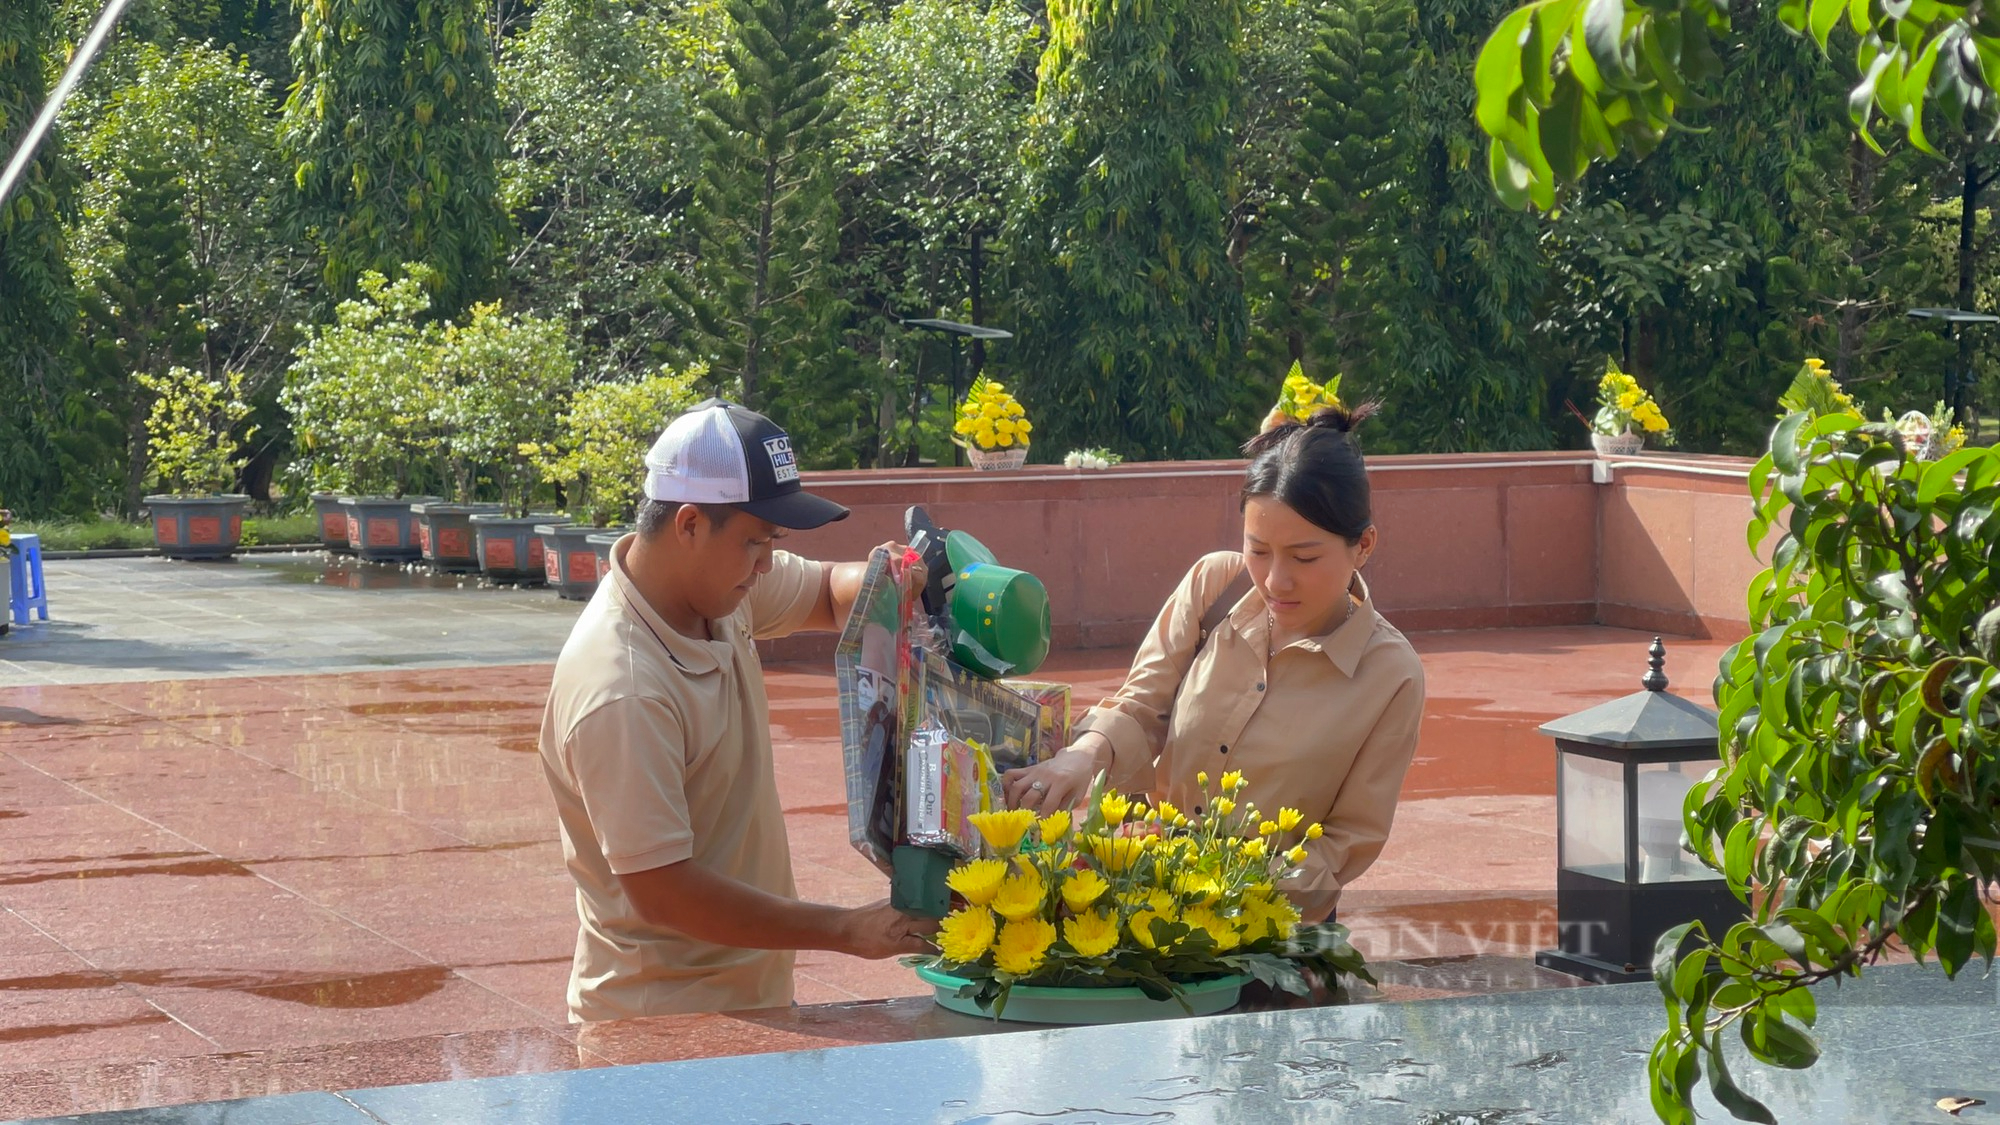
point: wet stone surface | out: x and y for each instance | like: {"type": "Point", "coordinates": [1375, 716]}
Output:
{"type": "Point", "coordinates": [1895, 1042]}
{"type": "Point", "coordinates": [148, 619]}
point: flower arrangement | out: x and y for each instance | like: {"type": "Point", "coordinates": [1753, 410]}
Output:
{"type": "Point", "coordinates": [1140, 895]}
{"type": "Point", "coordinates": [990, 418]}
{"type": "Point", "coordinates": [6, 543]}
{"type": "Point", "coordinates": [1091, 459]}
{"type": "Point", "coordinates": [1300, 398]}
{"type": "Point", "coordinates": [1623, 404]}
{"type": "Point", "coordinates": [1927, 437]}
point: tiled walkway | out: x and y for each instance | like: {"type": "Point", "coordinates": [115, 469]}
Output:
{"type": "Point", "coordinates": [213, 887]}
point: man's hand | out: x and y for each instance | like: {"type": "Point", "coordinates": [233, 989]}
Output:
{"type": "Point", "coordinates": [879, 930]}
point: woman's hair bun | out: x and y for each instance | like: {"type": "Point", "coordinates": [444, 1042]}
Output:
{"type": "Point", "coordinates": [1279, 426]}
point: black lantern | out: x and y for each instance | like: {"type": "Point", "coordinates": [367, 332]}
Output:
{"type": "Point", "coordinates": [1623, 772]}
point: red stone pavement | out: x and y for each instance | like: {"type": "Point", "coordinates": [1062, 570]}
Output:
{"type": "Point", "coordinates": [215, 888]}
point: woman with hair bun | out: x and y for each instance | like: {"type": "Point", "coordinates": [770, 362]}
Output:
{"type": "Point", "coordinates": [1272, 662]}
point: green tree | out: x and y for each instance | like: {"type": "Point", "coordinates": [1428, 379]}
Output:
{"type": "Point", "coordinates": [393, 132]}
{"type": "Point", "coordinates": [923, 191]}
{"type": "Point", "coordinates": [38, 312]}
{"type": "Point", "coordinates": [763, 222]}
{"type": "Point", "coordinates": [603, 154]}
{"type": "Point", "coordinates": [1131, 312]}
{"type": "Point", "coordinates": [144, 315]}
{"type": "Point", "coordinates": [1343, 200]}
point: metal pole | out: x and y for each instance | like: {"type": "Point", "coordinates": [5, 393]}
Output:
{"type": "Point", "coordinates": [957, 453]}
{"type": "Point", "coordinates": [32, 140]}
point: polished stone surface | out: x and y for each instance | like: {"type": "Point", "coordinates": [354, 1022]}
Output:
{"type": "Point", "coordinates": [1894, 1043]}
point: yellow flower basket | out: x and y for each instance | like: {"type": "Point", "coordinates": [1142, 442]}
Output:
{"type": "Point", "coordinates": [992, 427]}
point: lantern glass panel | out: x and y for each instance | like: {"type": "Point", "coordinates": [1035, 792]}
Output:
{"type": "Point", "coordinates": [1663, 790]}
{"type": "Point", "coordinates": [1591, 794]}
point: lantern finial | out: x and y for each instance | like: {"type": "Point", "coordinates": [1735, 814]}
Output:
{"type": "Point", "coordinates": [1655, 678]}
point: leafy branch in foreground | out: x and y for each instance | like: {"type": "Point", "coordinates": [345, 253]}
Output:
{"type": "Point", "coordinates": [1858, 804]}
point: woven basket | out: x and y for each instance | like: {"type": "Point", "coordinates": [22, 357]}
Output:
{"type": "Point", "coordinates": [993, 460]}
{"type": "Point", "coordinates": [1626, 444]}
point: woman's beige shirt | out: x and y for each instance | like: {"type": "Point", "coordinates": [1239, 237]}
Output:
{"type": "Point", "coordinates": [1327, 725]}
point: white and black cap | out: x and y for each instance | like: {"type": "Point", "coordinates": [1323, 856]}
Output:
{"type": "Point", "coordinates": [721, 453]}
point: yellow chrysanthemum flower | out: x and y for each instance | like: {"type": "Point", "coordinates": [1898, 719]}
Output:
{"type": "Point", "coordinates": [1168, 811]}
{"type": "Point", "coordinates": [1023, 945]}
{"type": "Point", "coordinates": [964, 936]}
{"type": "Point", "coordinates": [1254, 849]}
{"type": "Point", "coordinates": [1083, 888]}
{"type": "Point", "coordinates": [996, 388]}
{"type": "Point", "coordinates": [1024, 428]}
{"type": "Point", "coordinates": [1091, 935]}
{"type": "Point", "coordinates": [1002, 829]}
{"type": "Point", "coordinates": [1232, 781]}
{"type": "Point", "coordinates": [979, 880]}
{"type": "Point", "coordinates": [1266, 828]}
{"type": "Point", "coordinates": [1289, 819]}
{"type": "Point", "coordinates": [1197, 887]}
{"type": "Point", "coordinates": [1314, 831]}
{"type": "Point", "coordinates": [1201, 778]}
{"type": "Point", "coordinates": [1215, 925]}
{"type": "Point", "coordinates": [1055, 826]}
{"type": "Point", "coordinates": [1021, 895]}
{"type": "Point", "coordinates": [1224, 806]}
{"type": "Point", "coordinates": [1817, 364]}
{"type": "Point", "coordinates": [1114, 808]}
{"type": "Point", "coordinates": [1004, 441]}
{"type": "Point", "coordinates": [1297, 855]}
{"type": "Point", "coordinates": [1141, 925]}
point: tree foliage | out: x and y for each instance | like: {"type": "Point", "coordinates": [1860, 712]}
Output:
{"type": "Point", "coordinates": [763, 220]}
{"type": "Point", "coordinates": [1859, 785]}
{"type": "Point", "coordinates": [1131, 312]}
{"type": "Point", "coordinates": [393, 133]}
{"type": "Point", "coordinates": [38, 310]}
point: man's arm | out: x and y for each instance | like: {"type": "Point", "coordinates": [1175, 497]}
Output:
{"type": "Point", "coordinates": [840, 585]}
{"type": "Point", "coordinates": [712, 907]}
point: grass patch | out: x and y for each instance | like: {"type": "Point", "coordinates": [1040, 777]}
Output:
{"type": "Point", "coordinates": [116, 535]}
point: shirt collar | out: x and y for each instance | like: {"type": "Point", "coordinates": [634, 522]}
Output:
{"type": "Point", "coordinates": [690, 654]}
{"type": "Point", "coordinates": [1343, 645]}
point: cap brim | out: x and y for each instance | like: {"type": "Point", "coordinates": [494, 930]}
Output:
{"type": "Point", "coordinates": [797, 511]}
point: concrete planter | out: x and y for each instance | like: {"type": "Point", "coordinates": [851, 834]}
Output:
{"type": "Point", "coordinates": [569, 562]}
{"type": "Point", "coordinates": [6, 595]}
{"type": "Point", "coordinates": [331, 519]}
{"type": "Point", "coordinates": [381, 529]}
{"type": "Point", "coordinates": [509, 548]}
{"type": "Point", "coordinates": [197, 527]}
{"type": "Point", "coordinates": [445, 535]}
{"type": "Point", "coordinates": [601, 544]}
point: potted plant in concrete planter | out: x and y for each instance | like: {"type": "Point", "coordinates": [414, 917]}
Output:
{"type": "Point", "coordinates": [505, 375]}
{"type": "Point", "coordinates": [1626, 414]}
{"type": "Point", "coordinates": [193, 444]}
{"type": "Point", "coordinates": [361, 394]}
{"type": "Point", "coordinates": [597, 463]}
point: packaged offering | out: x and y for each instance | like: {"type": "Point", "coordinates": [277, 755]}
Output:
{"type": "Point", "coordinates": [948, 780]}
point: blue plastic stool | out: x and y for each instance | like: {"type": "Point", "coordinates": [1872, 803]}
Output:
{"type": "Point", "coordinates": [31, 593]}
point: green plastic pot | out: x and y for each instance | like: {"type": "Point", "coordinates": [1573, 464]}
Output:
{"type": "Point", "coordinates": [1002, 615]}
{"type": "Point", "coordinates": [1044, 1004]}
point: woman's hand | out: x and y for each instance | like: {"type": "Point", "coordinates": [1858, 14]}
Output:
{"type": "Point", "coordinates": [1058, 783]}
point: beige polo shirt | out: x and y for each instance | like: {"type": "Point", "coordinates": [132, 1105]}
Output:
{"type": "Point", "coordinates": [1327, 725]}
{"type": "Point", "coordinates": [657, 747]}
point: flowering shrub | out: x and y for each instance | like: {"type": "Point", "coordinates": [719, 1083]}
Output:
{"type": "Point", "coordinates": [1136, 895]}
{"type": "Point", "coordinates": [191, 435]}
{"type": "Point", "coordinates": [990, 418]}
{"type": "Point", "coordinates": [599, 456]}
{"type": "Point", "coordinates": [1623, 404]}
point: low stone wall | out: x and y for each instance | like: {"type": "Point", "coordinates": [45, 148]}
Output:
{"type": "Point", "coordinates": [1469, 541]}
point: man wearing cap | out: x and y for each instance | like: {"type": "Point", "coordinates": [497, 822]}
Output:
{"type": "Point", "coordinates": [656, 741]}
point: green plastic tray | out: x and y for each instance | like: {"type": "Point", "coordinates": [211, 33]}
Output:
{"type": "Point", "coordinates": [1040, 1004]}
